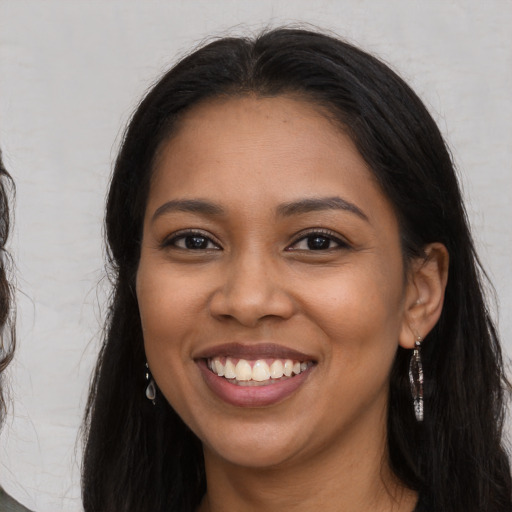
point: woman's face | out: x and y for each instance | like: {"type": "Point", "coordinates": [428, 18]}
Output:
{"type": "Point", "coordinates": [270, 283]}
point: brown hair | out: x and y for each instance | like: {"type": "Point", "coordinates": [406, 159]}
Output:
{"type": "Point", "coordinates": [7, 339]}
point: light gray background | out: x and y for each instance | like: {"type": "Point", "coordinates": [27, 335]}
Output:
{"type": "Point", "coordinates": [72, 71]}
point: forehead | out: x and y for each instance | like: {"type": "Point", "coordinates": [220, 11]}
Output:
{"type": "Point", "coordinates": [259, 151]}
{"type": "Point", "coordinates": [225, 124]}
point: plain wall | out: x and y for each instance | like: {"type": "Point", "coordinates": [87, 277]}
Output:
{"type": "Point", "coordinates": [71, 73]}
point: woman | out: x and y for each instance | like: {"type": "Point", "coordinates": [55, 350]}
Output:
{"type": "Point", "coordinates": [284, 330]}
{"type": "Point", "coordinates": [7, 339]}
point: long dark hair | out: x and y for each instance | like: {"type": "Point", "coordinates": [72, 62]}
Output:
{"type": "Point", "coordinates": [7, 338]}
{"type": "Point", "coordinates": [143, 458]}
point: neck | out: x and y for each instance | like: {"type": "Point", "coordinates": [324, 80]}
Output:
{"type": "Point", "coordinates": [353, 476]}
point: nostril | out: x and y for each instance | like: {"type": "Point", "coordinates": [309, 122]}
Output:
{"type": "Point", "coordinates": [249, 303]}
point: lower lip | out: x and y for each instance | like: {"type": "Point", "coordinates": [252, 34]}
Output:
{"type": "Point", "coordinates": [251, 396]}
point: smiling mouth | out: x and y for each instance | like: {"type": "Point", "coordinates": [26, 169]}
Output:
{"type": "Point", "coordinates": [254, 374]}
{"type": "Point", "coordinates": [258, 372]}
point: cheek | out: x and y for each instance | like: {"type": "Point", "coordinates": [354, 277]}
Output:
{"type": "Point", "coordinates": [168, 304]}
{"type": "Point", "coordinates": [355, 300]}
{"type": "Point", "coordinates": [165, 318]}
{"type": "Point", "coordinates": [360, 315]}
{"type": "Point", "coordinates": [167, 325]}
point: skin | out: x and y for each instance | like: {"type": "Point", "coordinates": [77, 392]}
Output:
{"type": "Point", "coordinates": [257, 280]}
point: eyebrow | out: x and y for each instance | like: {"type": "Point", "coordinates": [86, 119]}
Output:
{"type": "Point", "coordinates": [318, 204]}
{"type": "Point", "coordinates": [188, 205]}
{"type": "Point", "coordinates": [299, 207]}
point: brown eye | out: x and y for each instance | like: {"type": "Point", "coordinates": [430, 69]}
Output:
{"type": "Point", "coordinates": [196, 242]}
{"type": "Point", "coordinates": [318, 241]}
{"type": "Point", "coordinates": [192, 241]}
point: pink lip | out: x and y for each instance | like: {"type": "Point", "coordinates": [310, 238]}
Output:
{"type": "Point", "coordinates": [252, 396]}
{"type": "Point", "coordinates": [253, 351]}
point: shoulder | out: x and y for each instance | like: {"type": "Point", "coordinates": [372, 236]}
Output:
{"type": "Point", "coordinates": [8, 504]}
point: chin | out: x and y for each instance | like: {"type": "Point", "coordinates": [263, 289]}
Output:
{"type": "Point", "coordinates": [258, 449]}
{"type": "Point", "coordinates": [253, 458]}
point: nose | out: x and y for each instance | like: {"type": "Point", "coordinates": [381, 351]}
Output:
{"type": "Point", "coordinates": [252, 289]}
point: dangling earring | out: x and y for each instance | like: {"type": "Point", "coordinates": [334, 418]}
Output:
{"type": "Point", "coordinates": [150, 388]}
{"type": "Point", "coordinates": [416, 379]}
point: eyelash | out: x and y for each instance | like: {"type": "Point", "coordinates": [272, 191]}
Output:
{"type": "Point", "coordinates": [324, 234]}
{"type": "Point", "coordinates": [172, 241]}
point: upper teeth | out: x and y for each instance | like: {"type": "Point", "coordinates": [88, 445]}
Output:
{"type": "Point", "coordinates": [259, 370]}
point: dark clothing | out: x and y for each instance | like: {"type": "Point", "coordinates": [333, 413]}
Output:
{"type": "Point", "coordinates": [8, 504]}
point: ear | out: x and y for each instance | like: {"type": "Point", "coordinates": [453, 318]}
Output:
{"type": "Point", "coordinates": [424, 295]}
